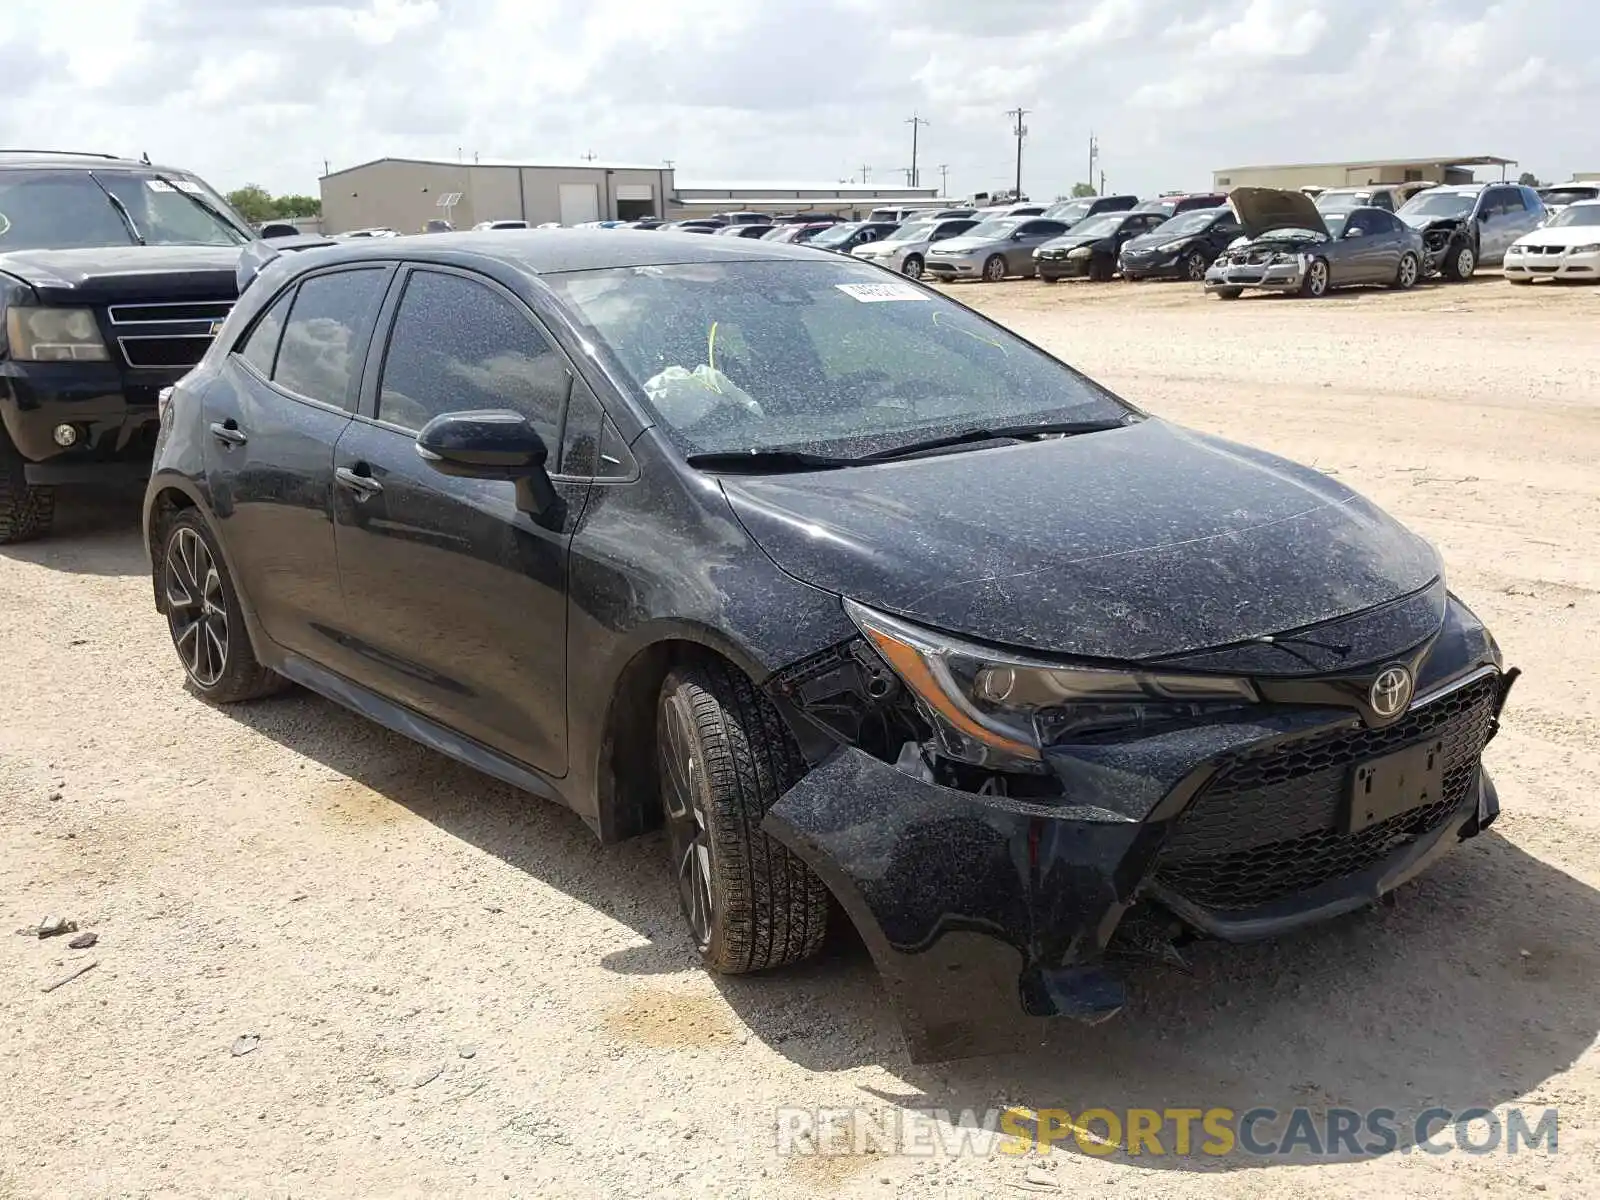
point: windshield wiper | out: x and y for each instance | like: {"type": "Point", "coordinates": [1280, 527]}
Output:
{"type": "Point", "coordinates": [998, 433]}
{"type": "Point", "coordinates": [203, 205]}
{"type": "Point", "coordinates": [755, 461]}
{"type": "Point", "coordinates": [122, 209]}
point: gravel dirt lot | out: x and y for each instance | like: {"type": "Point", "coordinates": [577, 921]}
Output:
{"type": "Point", "coordinates": [457, 991]}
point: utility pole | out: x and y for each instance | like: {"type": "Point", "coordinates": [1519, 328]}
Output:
{"type": "Point", "coordinates": [1102, 182]}
{"type": "Point", "coordinates": [910, 174]}
{"type": "Point", "coordinates": [1094, 157]}
{"type": "Point", "coordinates": [944, 179]}
{"type": "Point", "coordinates": [589, 157]}
{"type": "Point", "coordinates": [916, 122]}
{"type": "Point", "coordinates": [326, 170]}
{"type": "Point", "coordinates": [668, 162]}
{"type": "Point", "coordinates": [1021, 131]}
{"type": "Point", "coordinates": [866, 173]}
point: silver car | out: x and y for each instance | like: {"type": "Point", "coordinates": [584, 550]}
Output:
{"type": "Point", "coordinates": [1469, 226]}
{"type": "Point", "coordinates": [906, 249]}
{"type": "Point", "coordinates": [993, 249]}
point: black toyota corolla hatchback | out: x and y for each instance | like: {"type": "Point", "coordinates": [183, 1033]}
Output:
{"type": "Point", "coordinates": [856, 592]}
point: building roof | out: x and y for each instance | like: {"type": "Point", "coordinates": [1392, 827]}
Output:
{"type": "Point", "coordinates": [1479, 160]}
{"type": "Point", "coordinates": [870, 190]}
{"type": "Point", "coordinates": [576, 165]}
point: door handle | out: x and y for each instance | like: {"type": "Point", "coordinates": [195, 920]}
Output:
{"type": "Point", "coordinates": [228, 432]}
{"type": "Point", "coordinates": [353, 480]}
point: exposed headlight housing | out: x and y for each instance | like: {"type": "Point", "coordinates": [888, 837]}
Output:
{"type": "Point", "coordinates": [54, 335]}
{"type": "Point", "coordinates": [1001, 710]}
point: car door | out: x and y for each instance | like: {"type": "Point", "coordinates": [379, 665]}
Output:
{"type": "Point", "coordinates": [1388, 243]}
{"type": "Point", "coordinates": [1222, 232]}
{"type": "Point", "coordinates": [1024, 240]}
{"type": "Point", "coordinates": [291, 388]}
{"type": "Point", "coordinates": [1358, 254]}
{"type": "Point", "coordinates": [457, 598]}
{"type": "Point", "coordinates": [1499, 210]}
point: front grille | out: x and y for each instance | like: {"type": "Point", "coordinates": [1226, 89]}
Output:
{"type": "Point", "coordinates": [181, 350]}
{"type": "Point", "coordinates": [186, 310]}
{"type": "Point", "coordinates": [1267, 826]}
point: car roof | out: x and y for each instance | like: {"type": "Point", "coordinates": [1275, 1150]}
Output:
{"type": "Point", "coordinates": [1584, 204]}
{"type": "Point", "coordinates": [551, 251]}
{"type": "Point", "coordinates": [82, 161]}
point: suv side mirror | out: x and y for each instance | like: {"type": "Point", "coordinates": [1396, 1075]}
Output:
{"type": "Point", "coordinates": [496, 444]}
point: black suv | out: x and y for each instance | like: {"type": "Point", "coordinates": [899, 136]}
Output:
{"type": "Point", "coordinates": [852, 589]}
{"type": "Point", "coordinates": [114, 275]}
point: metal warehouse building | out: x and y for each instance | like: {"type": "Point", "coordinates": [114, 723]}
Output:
{"type": "Point", "coordinates": [1347, 174]}
{"type": "Point", "coordinates": [404, 193]}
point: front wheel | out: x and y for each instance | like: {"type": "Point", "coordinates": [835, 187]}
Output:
{"type": "Point", "coordinates": [1101, 269]}
{"type": "Point", "coordinates": [1315, 284]}
{"type": "Point", "coordinates": [1229, 293]}
{"type": "Point", "coordinates": [1460, 263]}
{"type": "Point", "coordinates": [1407, 273]}
{"type": "Point", "coordinates": [724, 757]}
{"type": "Point", "coordinates": [205, 619]}
{"type": "Point", "coordinates": [994, 270]}
{"type": "Point", "coordinates": [1194, 267]}
{"type": "Point", "coordinates": [26, 511]}
{"type": "Point", "coordinates": [912, 267]}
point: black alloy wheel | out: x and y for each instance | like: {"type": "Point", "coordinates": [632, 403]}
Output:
{"type": "Point", "coordinates": [204, 618]}
{"type": "Point", "coordinates": [1194, 267]}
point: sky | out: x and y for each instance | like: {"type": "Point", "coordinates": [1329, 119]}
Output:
{"type": "Point", "coordinates": [267, 91]}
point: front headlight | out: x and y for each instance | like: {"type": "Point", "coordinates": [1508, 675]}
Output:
{"type": "Point", "coordinates": [54, 335]}
{"type": "Point", "coordinates": [1280, 258]}
{"type": "Point", "coordinates": [1172, 247]}
{"type": "Point", "coordinates": [1591, 248]}
{"type": "Point", "coordinates": [1001, 710]}
{"type": "Point", "coordinates": [1081, 252]}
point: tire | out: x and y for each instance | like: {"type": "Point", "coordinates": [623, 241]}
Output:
{"type": "Point", "coordinates": [26, 511]}
{"type": "Point", "coordinates": [912, 267]}
{"type": "Point", "coordinates": [994, 268]}
{"type": "Point", "coordinates": [1194, 266]}
{"type": "Point", "coordinates": [1101, 269]}
{"type": "Point", "coordinates": [1049, 278]}
{"type": "Point", "coordinates": [1315, 284]}
{"type": "Point", "coordinates": [1407, 273]}
{"type": "Point", "coordinates": [1228, 293]}
{"type": "Point", "coordinates": [1459, 264]}
{"type": "Point", "coordinates": [724, 757]}
{"type": "Point", "coordinates": [1519, 280]}
{"type": "Point", "coordinates": [205, 619]}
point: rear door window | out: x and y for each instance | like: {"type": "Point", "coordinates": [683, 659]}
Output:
{"type": "Point", "coordinates": [325, 337]}
{"type": "Point", "coordinates": [260, 346]}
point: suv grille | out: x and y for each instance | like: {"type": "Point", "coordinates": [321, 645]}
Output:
{"type": "Point", "coordinates": [162, 313]}
{"type": "Point", "coordinates": [175, 350]}
{"type": "Point", "coordinates": [1268, 826]}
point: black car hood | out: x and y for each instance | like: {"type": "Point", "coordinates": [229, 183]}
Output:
{"type": "Point", "coordinates": [1069, 241]}
{"type": "Point", "coordinates": [106, 275]}
{"type": "Point", "coordinates": [1136, 543]}
{"type": "Point", "coordinates": [1149, 241]}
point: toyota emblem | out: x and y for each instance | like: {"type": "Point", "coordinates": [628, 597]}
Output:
{"type": "Point", "coordinates": [1391, 692]}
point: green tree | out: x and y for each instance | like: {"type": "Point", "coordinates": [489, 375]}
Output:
{"type": "Point", "coordinates": [1083, 189]}
{"type": "Point", "coordinates": [297, 206]}
{"type": "Point", "coordinates": [1529, 179]}
{"type": "Point", "coordinates": [253, 202]}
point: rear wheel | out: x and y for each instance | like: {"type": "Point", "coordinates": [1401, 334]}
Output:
{"type": "Point", "coordinates": [912, 267]}
{"type": "Point", "coordinates": [26, 511]}
{"type": "Point", "coordinates": [204, 617]}
{"type": "Point", "coordinates": [1407, 273]}
{"type": "Point", "coordinates": [994, 269]}
{"type": "Point", "coordinates": [1315, 283]}
{"type": "Point", "coordinates": [724, 758]}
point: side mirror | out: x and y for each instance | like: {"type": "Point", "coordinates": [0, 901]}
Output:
{"type": "Point", "coordinates": [496, 444]}
{"type": "Point", "coordinates": [1018, 237]}
{"type": "Point", "coordinates": [1357, 231]}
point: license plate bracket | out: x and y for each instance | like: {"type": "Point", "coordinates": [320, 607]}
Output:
{"type": "Point", "coordinates": [1396, 783]}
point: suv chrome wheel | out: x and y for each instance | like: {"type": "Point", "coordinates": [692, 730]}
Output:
{"type": "Point", "coordinates": [197, 608]}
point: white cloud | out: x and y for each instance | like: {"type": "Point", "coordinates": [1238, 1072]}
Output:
{"type": "Point", "coordinates": [266, 90]}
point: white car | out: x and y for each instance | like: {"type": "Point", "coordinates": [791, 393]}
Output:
{"type": "Point", "coordinates": [1567, 247]}
{"type": "Point", "coordinates": [906, 249]}
{"type": "Point", "coordinates": [505, 224]}
{"type": "Point", "coordinates": [1557, 196]}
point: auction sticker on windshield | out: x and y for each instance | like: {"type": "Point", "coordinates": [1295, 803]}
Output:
{"type": "Point", "coordinates": [877, 293]}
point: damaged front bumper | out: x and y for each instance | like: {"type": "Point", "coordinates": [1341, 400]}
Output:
{"type": "Point", "coordinates": [975, 905]}
{"type": "Point", "coordinates": [1283, 276]}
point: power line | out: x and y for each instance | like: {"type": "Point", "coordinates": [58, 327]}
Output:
{"type": "Point", "coordinates": [916, 123]}
{"type": "Point", "coordinates": [1021, 131]}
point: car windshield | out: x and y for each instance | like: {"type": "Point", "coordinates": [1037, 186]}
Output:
{"type": "Point", "coordinates": [1439, 204]}
{"type": "Point", "coordinates": [1342, 202]}
{"type": "Point", "coordinates": [913, 231]}
{"type": "Point", "coordinates": [1072, 210]}
{"type": "Point", "coordinates": [994, 228]}
{"type": "Point", "coordinates": [64, 209]}
{"type": "Point", "coordinates": [1102, 226]}
{"type": "Point", "coordinates": [1158, 206]}
{"type": "Point", "coordinates": [838, 235]}
{"type": "Point", "coordinates": [1578, 214]}
{"type": "Point", "coordinates": [1559, 196]}
{"type": "Point", "coordinates": [1187, 223]}
{"type": "Point", "coordinates": [823, 357]}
